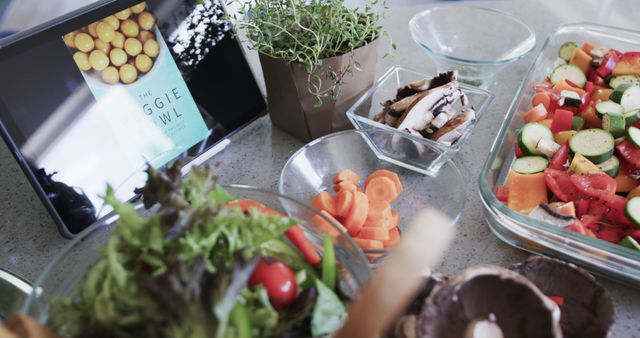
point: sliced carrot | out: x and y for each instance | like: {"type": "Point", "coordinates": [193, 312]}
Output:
{"type": "Point", "coordinates": [344, 185]}
{"type": "Point", "coordinates": [379, 223]}
{"type": "Point", "coordinates": [324, 201]}
{"type": "Point", "coordinates": [347, 175]}
{"type": "Point", "coordinates": [326, 226]}
{"type": "Point", "coordinates": [356, 217]}
{"type": "Point", "coordinates": [536, 114]}
{"type": "Point", "coordinates": [395, 219]}
{"type": "Point", "coordinates": [394, 238]}
{"type": "Point", "coordinates": [381, 189]}
{"type": "Point", "coordinates": [368, 243]}
{"type": "Point", "coordinates": [541, 98]}
{"type": "Point", "coordinates": [344, 200]}
{"type": "Point", "coordinates": [378, 211]}
{"type": "Point", "coordinates": [388, 174]}
{"type": "Point", "coordinates": [375, 233]}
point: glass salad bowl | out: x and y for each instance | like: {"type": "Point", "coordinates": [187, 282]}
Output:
{"type": "Point", "coordinates": [541, 237]}
{"type": "Point", "coordinates": [407, 150]}
{"type": "Point", "coordinates": [476, 41]}
{"type": "Point", "coordinates": [67, 270]}
{"type": "Point", "coordinates": [311, 170]}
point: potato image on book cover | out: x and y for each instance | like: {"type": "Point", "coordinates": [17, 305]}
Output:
{"type": "Point", "coordinates": [119, 49]}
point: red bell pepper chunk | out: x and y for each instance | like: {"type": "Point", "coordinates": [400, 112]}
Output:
{"type": "Point", "coordinates": [502, 193]}
{"type": "Point", "coordinates": [595, 78]}
{"type": "Point", "coordinates": [559, 182]}
{"type": "Point", "coordinates": [560, 158]}
{"type": "Point", "coordinates": [598, 185]}
{"type": "Point", "coordinates": [610, 234]}
{"type": "Point", "coordinates": [557, 299]}
{"type": "Point", "coordinates": [589, 87]}
{"type": "Point", "coordinates": [298, 238]}
{"type": "Point", "coordinates": [582, 207]}
{"type": "Point", "coordinates": [562, 120]}
{"type": "Point", "coordinates": [586, 99]}
{"type": "Point", "coordinates": [518, 151]}
{"type": "Point", "coordinates": [294, 234]}
{"type": "Point", "coordinates": [630, 153]}
{"type": "Point", "coordinates": [616, 209]}
{"type": "Point", "coordinates": [608, 64]}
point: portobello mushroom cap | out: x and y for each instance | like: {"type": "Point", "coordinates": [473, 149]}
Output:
{"type": "Point", "coordinates": [587, 310]}
{"type": "Point", "coordinates": [491, 294]}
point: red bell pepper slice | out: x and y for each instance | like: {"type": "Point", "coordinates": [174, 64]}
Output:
{"type": "Point", "coordinates": [562, 120]}
{"type": "Point", "coordinates": [595, 78]}
{"type": "Point", "coordinates": [586, 99]}
{"type": "Point", "coordinates": [582, 207]}
{"type": "Point", "coordinates": [616, 205]}
{"type": "Point", "coordinates": [559, 182]}
{"type": "Point", "coordinates": [630, 153]}
{"type": "Point", "coordinates": [557, 299]}
{"type": "Point", "coordinates": [589, 87]}
{"type": "Point", "coordinates": [560, 158]}
{"type": "Point", "coordinates": [518, 151]}
{"type": "Point", "coordinates": [608, 64]}
{"type": "Point", "coordinates": [294, 234]}
{"type": "Point", "coordinates": [594, 185]}
{"type": "Point", "coordinates": [502, 193]}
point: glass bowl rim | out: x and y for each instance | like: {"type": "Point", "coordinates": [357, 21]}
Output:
{"type": "Point", "coordinates": [362, 133]}
{"type": "Point", "coordinates": [413, 26]}
{"type": "Point", "coordinates": [443, 148]}
{"type": "Point", "coordinates": [112, 217]}
{"type": "Point", "coordinates": [488, 197]}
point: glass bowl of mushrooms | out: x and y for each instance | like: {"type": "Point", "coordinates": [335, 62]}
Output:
{"type": "Point", "coordinates": [430, 117]}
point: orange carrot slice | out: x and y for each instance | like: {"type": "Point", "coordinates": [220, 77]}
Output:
{"type": "Point", "coordinates": [377, 233]}
{"type": "Point", "coordinates": [344, 185]}
{"type": "Point", "coordinates": [536, 114]}
{"type": "Point", "coordinates": [368, 243]}
{"type": "Point", "coordinates": [344, 200]}
{"type": "Point", "coordinates": [346, 175]}
{"type": "Point", "coordinates": [324, 201]}
{"type": "Point", "coordinates": [379, 211]}
{"type": "Point", "coordinates": [356, 217]}
{"type": "Point", "coordinates": [388, 174]}
{"type": "Point", "coordinates": [395, 219]}
{"type": "Point", "coordinates": [381, 189]}
{"type": "Point", "coordinates": [394, 238]}
{"type": "Point", "coordinates": [326, 226]}
{"type": "Point", "coordinates": [541, 98]}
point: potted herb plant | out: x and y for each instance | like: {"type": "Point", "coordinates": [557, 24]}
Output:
{"type": "Point", "coordinates": [317, 57]}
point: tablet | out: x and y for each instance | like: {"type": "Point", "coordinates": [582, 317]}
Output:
{"type": "Point", "coordinates": [90, 99]}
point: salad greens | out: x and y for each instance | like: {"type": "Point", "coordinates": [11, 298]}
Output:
{"type": "Point", "coordinates": [182, 271]}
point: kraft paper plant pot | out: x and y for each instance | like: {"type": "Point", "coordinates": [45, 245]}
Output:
{"type": "Point", "coordinates": [291, 106]}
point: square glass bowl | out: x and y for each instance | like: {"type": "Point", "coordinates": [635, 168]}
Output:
{"type": "Point", "coordinates": [406, 150]}
{"type": "Point", "coordinates": [541, 237]}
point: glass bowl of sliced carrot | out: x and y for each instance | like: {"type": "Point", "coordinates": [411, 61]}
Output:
{"type": "Point", "coordinates": [364, 196]}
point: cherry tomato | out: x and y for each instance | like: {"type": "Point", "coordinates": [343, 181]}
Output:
{"type": "Point", "coordinates": [561, 157]}
{"type": "Point", "coordinates": [278, 279]}
{"type": "Point", "coordinates": [559, 182]}
{"type": "Point", "coordinates": [594, 185]}
{"type": "Point", "coordinates": [630, 153]}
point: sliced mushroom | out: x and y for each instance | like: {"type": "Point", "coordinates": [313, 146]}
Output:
{"type": "Point", "coordinates": [426, 84]}
{"type": "Point", "coordinates": [417, 116]}
{"type": "Point", "coordinates": [453, 130]}
{"type": "Point", "coordinates": [489, 293]}
{"type": "Point", "coordinates": [587, 311]}
{"type": "Point", "coordinates": [545, 212]}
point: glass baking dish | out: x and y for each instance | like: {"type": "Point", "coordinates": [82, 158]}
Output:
{"type": "Point", "coordinates": [406, 150]}
{"type": "Point", "coordinates": [540, 237]}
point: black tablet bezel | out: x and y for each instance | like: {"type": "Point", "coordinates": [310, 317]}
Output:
{"type": "Point", "coordinates": [56, 28]}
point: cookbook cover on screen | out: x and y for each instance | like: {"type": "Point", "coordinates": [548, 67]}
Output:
{"type": "Point", "coordinates": [137, 85]}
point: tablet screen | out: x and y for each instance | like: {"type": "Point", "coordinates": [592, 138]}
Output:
{"type": "Point", "coordinates": [92, 101]}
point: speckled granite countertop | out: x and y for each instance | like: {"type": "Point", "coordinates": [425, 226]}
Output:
{"type": "Point", "coordinates": [28, 237]}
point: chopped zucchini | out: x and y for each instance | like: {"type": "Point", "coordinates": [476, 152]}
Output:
{"type": "Point", "coordinates": [630, 79]}
{"type": "Point", "coordinates": [566, 50]}
{"type": "Point", "coordinates": [633, 134]}
{"type": "Point", "coordinates": [572, 73]}
{"type": "Point", "coordinates": [631, 117]}
{"type": "Point", "coordinates": [632, 210]}
{"type": "Point", "coordinates": [610, 166]}
{"type": "Point", "coordinates": [614, 124]}
{"type": "Point", "coordinates": [608, 107]}
{"type": "Point", "coordinates": [594, 144]}
{"type": "Point", "coordinates": [531, 134]}
{"type": "Point", "coordinates": [577, 123]}
{"type": "Point", "coordinates": [628, 96]}
{"type": "Point", "coordinates": [530, 164]}
{"type": "Point", "coordinates": [630, 243]}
